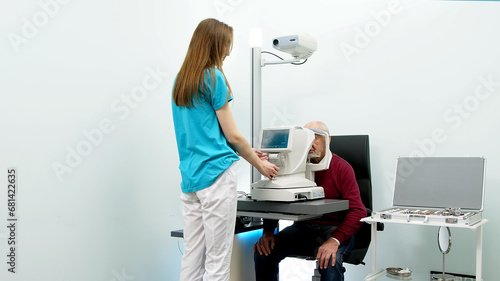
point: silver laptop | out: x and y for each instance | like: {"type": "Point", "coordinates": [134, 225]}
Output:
{"type": "Point", "coordinates": [437, 189]}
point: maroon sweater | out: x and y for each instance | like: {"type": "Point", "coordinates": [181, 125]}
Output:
{"type": "Point", "coordinates": [338, 182]}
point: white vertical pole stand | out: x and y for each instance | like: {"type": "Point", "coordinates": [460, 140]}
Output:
{"type": "Point", "coordinates": [256, 122]}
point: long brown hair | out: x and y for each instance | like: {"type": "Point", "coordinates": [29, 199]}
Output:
{"type": "Point", "coordinates": [211, 42]}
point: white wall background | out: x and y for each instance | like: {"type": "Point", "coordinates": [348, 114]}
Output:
{"type": "Point", "coordinates": [85, 118]}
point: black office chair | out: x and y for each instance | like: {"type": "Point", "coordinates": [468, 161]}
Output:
{"type": "Point", "coordinates": [355, 149]}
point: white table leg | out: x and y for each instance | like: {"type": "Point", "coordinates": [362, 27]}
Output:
{"type": "Point", "coordinates": [479, 253]}
{"type": "Point", "coordinates": [374, 247]}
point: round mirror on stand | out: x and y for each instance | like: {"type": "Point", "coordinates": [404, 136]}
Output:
{"type": "Point", "coordinates": [444, 244]}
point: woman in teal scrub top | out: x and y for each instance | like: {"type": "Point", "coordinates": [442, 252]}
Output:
{"type": "Point", "coordinates": [209, 143]}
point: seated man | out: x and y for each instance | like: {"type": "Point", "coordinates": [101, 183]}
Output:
{"type": "Point", "coordinates": [328, 238]}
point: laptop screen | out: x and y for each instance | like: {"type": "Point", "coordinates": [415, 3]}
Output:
{"type": "Point", "coordinates": [440, 182]}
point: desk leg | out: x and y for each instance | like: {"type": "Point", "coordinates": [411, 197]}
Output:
{"type": "Point", "coordinates": [374, 247]}
{"type": "Point", "coordinates": [479, 253]}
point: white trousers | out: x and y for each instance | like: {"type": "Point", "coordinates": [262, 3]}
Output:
{"type": "Point", "coordinates": [209, 220]}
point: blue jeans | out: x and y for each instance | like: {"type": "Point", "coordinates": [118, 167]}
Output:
{"type": "Point", "coordinates": [301, 239]}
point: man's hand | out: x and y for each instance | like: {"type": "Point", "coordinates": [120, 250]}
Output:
{"type": "Point", "coordinates": [327, 250]}
{"type": "Point", "coordinates": [265, 243]}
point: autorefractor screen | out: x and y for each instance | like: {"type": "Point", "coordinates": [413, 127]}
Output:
{"type": "Point", "coordinates": [275, 138]}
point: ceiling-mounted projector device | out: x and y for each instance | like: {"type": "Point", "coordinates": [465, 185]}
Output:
{"type": "Point", "coordinates": [300, 45]}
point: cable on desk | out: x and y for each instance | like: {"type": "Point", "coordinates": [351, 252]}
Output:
{"type": "Point", "coordinates": [243, 194]}
{"type": "Point", "coordinates": [179, 246]}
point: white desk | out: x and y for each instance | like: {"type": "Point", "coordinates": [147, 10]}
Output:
{"type": "Point", "coordinates": [478, 227]}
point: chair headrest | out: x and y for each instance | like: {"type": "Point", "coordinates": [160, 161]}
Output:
{"type": "Point", "coordinates": [355, 150]}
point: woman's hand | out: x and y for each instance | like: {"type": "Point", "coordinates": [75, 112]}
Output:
{"type": "Point", "coordinates": [262, 155]}
{"type": "Point", "coordinates": [268, 170]}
